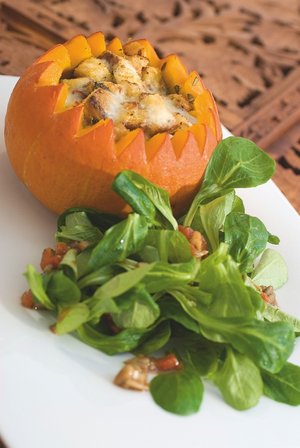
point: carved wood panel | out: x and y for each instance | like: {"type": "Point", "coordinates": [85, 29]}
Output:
{"type": "Point", "coordinates": [247, 52]}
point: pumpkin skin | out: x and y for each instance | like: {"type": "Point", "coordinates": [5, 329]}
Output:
{"type": "Point", "coordinates": [65, 164]}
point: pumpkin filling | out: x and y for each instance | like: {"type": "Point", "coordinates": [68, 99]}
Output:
{"type": "Point", "coordinates": [130, 92]}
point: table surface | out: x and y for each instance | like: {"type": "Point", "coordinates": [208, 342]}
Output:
{"type": "Point", "coordinates": [248, 54]}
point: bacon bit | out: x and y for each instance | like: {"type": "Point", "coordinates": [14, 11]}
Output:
{"type": "Point", "coordinates": [49, 260]}
{"type": "Point", "coordinates": [169, 362]}
{"type": "Point", "coordinates": [61, 248]}
{"type": "Point", "coordinates": [268, 295]}
{"type": "Point", "coordinates": [198, 244]}
{"type": "Point", "coordinates": [53, 328]}
{"type": "Point", "coordinates": [83, 245]}
{"type": "Point", "coordinates": [186, 231]}
{"type": "Point", "coordinates": [79, 245]}
{"type": "Point", "coordinates": [112, 326]}
{"type": "Point", "coordinates": [265, 297]}
{"type": "Point", "coordinates": [27, 299]}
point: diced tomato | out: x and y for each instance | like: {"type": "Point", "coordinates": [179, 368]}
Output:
{"type": "Point", "coordinates": [197, 242]}
{"type": "Point", "coordinates": [186, 231]}
{"type": "Point", "coordinates": [169, 362]}
{"type": "Point", "coordinates": [269, 299]}
{"type": "Point", "coordinates": [50, 259]}
{"type": "Point", "coordinates": [111, 325]}
{"type": "Point", "coordinates": [61, 248]}
{"type": "Point", "coordinates": [27, 299]}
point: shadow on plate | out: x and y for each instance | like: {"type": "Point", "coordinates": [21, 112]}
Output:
{"type": "Point", "coordinates": [26, 228]}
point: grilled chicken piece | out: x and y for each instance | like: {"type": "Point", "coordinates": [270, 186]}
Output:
{"type": "Point", "coordinates": [124, 71]}
{"type": "Point", "coordinates": [180, 101]}
{"type": "Point", "coordinates": [181, 123]}
{"type": "Point", "coordinates": [138, 62]}
{"type": "Point", "coordinates": [101, 104]}
{"type": "Point", "coordinates": [97, 69]}
{"type": "Point", "coordinates": [131, 89]}
{"type": "Point", "coordinates": [79, 88]}
{"type": "Point", "coordinates": [132, 116]}
{"type": "Point", "coordinates": [158, 117]}
{"type": "Point", "coordinates": [110, 58]}
{"type": "Point", "coordinates": [153, 80]}
{"type": "Point", "coordinates": [110, 87]}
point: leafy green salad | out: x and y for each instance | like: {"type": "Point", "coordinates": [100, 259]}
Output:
{"type": "Point", "coordinates": [139, 284]}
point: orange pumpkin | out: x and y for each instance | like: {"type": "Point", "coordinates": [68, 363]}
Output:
{"type": "Point", "coordinates": [65, 164]}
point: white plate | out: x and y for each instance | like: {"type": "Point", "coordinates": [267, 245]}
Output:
{"type": "Point", "coordinates": [58, 392]}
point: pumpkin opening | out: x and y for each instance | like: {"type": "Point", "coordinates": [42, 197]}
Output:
{"type": "Point", "coordinates": [129, 90]}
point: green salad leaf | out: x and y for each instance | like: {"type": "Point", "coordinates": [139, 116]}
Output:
{"type": "Point", "coordinates": [120, 241]}
{"type": "Point", "coordinates": [137, 309]}
{"type": "Point", "coordinates": [71, 318]}
{"type": "Point", "coordinates": [125, 341]}
{"type": "Point", "coordinates": [169, 246]}
{"type": "Point", "coordinates": [194, 349]}
{"type": "Point", "coordinates": [145, 198]}
{"type": "Point", "coordinates": [283, 386]}
{"type": "Point", "coordinates": [78, 227]}
{"type": "Point", "coordinates": [36, 284]}
{"type": "Point", "coordinates": [62, 290]}
{"type": "Point", "coordinates": [219, 275]}
{"type": "Point", "coordinates": [272, 313]}
{"type": "Point", "coordinates": [236, 163]}
{"type": "Point", "coordinates": [239, 381]}
{"type": "Point", "coordinates": [178, 392]}
{"type": "Point", "coordinates": [102, 221]}
{"type": "Point", "coordinates": [69, 264]}
{"type": "Point", "coordinates": [155, 339]}
{"type": "Point", "coordinates": [270, 270]}
{"type": "Point", "coordinates": [246, 237]}
{"type": "Point", "coordinates": [210, 218]}
{"type": "Point", "coordinates": [268, 344]}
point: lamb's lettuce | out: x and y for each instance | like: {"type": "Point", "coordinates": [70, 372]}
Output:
{"type": "Point", "coordinates": [246, 237]}
{"type": "Point", "coordinates": [145, 198]}
{"type": "Point", "coordinates": [235, 163]}
{"type": "Point", "coordinates": [283, 386]}
{"type": "Point", "coordinates": [136, 286]}
{"type": "Point", "coordinates": [179, 392]}
{"type": "Point", "coordinates": [239, 381]}
{"type": "Point", "coordinates": [270, 270]}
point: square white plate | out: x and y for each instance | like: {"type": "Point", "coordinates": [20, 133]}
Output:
{"type": "Point", "coordinates": [57, 392]}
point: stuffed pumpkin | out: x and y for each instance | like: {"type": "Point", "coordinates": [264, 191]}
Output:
{"type": "Point", "coordinates": [84, 111]}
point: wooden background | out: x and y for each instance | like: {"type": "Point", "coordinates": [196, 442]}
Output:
{"type": "Point", "coordinates": [248, 53]}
